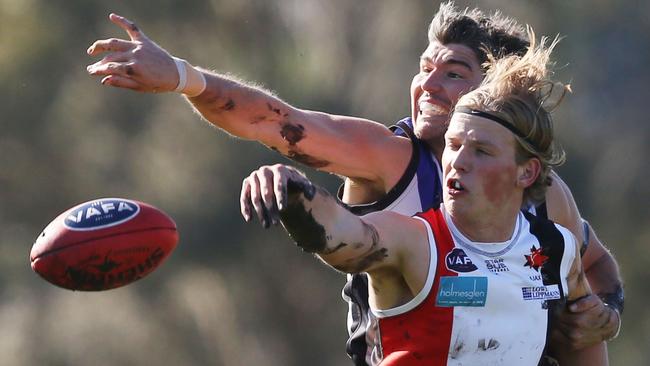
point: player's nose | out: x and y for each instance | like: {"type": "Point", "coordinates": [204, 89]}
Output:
{"type": "Point", "coordinates": [432, 83]}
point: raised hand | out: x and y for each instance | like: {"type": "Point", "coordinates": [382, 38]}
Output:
{"type": "Point", "coordinates": [266, 192]}
{"type": "Point", "coordinates": [138, 63]}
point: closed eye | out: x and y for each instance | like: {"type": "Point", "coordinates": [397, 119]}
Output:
{"type": "Point", "coordinates": [454, 75]}
{"type": "Point", "coordinates": [453, 146]}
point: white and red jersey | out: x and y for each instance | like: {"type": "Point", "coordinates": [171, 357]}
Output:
{"type": "Point", "coordinates": [482, 304]}
{"type": "Point", "coordinates": [418, 190]}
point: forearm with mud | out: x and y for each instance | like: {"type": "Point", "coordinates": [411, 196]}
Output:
{"type": "Point", "coordinates": [319, 224]}
{"type": "Point", "coordinates": [251, 112]}
{"type": "Point", "coordinates": [236, 106]}
{"type": "Point", "coordinates": [344, 145]}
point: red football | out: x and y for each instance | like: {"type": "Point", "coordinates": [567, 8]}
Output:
{"type": "Point", "coordinates": [103, 244]}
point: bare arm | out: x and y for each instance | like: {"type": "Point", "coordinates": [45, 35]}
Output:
{"type": "Point", "coordinates": [347, 146]}
{"type": "Point", "coordinates": [600, 266]}
{"type": "Point", "coordinates": [563, 351]}
{"type": "Point", "coordinates": [587, 322]}
{"type": "Point", "coordinates": [319, 224]}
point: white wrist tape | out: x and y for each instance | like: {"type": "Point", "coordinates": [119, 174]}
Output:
{"type": "Point", "coordinates": [182, 75]}
{"type": "Point", "coordinates": [191, 81]}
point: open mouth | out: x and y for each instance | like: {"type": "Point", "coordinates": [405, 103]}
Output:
{"type": "Point", "coordinates": [431, 110]}
{"type": "Point", "coordinates": [455, 185]}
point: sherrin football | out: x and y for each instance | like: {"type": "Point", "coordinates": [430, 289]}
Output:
{"type": "Point", "coordinates": [103, 244]}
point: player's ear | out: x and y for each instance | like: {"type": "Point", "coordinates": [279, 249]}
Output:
{"type": "Point", "coordinates": [528, 171]}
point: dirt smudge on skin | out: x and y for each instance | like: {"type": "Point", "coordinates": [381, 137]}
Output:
{"type": "Point", "coordinates": [257, 119]}
{"type": "Point", "coordinates": [307, 160]}
{"type": "Point", "coordinates": [334, 250]}
{"type": "Point", "coordinates": [292, 133]}
{"type": "Point", "coordinates": [275, 110]}
{"type": "Point", "coordinates": [360, 265]}
{"type": "Point", "coordinates": [373, 255]}
{"type": "Point", "coordinates": [305, 187]}
{"type": "Point", "coordinates": [308, 233]}
{"type": "Point", "coordinates": [214, 101]}
{"type": "Point", "coordinates": [229, 106]}
{"type": "Point", "coordinates": [376, 256]}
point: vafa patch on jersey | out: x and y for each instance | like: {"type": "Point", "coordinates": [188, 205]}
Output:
{"type": "Point", "coordinates": [458, 261]}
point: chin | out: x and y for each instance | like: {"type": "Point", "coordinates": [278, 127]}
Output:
{"type": "Point", "coordinates": [430, 131]}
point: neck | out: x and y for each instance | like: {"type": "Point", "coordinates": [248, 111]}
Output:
{"type": "Point", "coordinates": [487, 228]}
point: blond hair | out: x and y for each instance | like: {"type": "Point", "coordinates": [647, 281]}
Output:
{"type": "Point", "coordinates": [518, 90]}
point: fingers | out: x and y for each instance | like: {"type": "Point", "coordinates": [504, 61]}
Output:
{"type": "Point", "coordinates": [257, 182]}
{"type": "Point", "coordinates": [110, 45]}
{"type": "Point", "coordinates": [267, 177]}
{"type": "Point", "coordinates": [129, 27]}
{"type": "Point", "coordinates": [264, 191]}
{"type": "Point", "coordinates": [116, 57]}
{"type": "Point", "coordinates": [587, 314]}
{"type": "Point", "coordinates": [121, 82]}
{"type": "Point", "coordinates": [585, 304]}
{"type": "Point", "coordinates": [139, 59]}
{"type": "Point", "coordinates": [111, 68]}
{"type": "Point", "coordinates": [611, 327]}
{"type": "Point", "coordinates": [583, 323]}
{"type": "Point", "coordinates": [559, 336]}
{"type": "Point", "coordinates": [280, 190]}
{"type": "Point", "coordinates": [117, 74]}
{"type": "Point", "coordinates": [245, 200]}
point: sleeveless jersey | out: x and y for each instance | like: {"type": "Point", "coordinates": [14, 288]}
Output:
{"type": "Point", "coordinates": [419, 189]}
{"type": "Point", "coordinates": [482, 304]}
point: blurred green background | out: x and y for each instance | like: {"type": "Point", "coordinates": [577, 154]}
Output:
{"type": "Point", "coordinates": [233, 293]}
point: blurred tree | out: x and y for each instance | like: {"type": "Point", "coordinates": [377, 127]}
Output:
{"type": "Point", "coordinates": [234, 294]}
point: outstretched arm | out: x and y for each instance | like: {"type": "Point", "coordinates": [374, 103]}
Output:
{"type": "Point", "coordinates": [319, 224]}
{"type": "Point", "coordinates": [348, 146]}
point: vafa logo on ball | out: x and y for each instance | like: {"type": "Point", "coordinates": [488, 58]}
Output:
{"type": "Point", "coordinates": [101, 214]}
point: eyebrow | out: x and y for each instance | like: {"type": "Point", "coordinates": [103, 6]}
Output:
{"type": "Point", "coordinates": [449, 62]}
{"type": "Point", "coordinates": [473, 140]}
